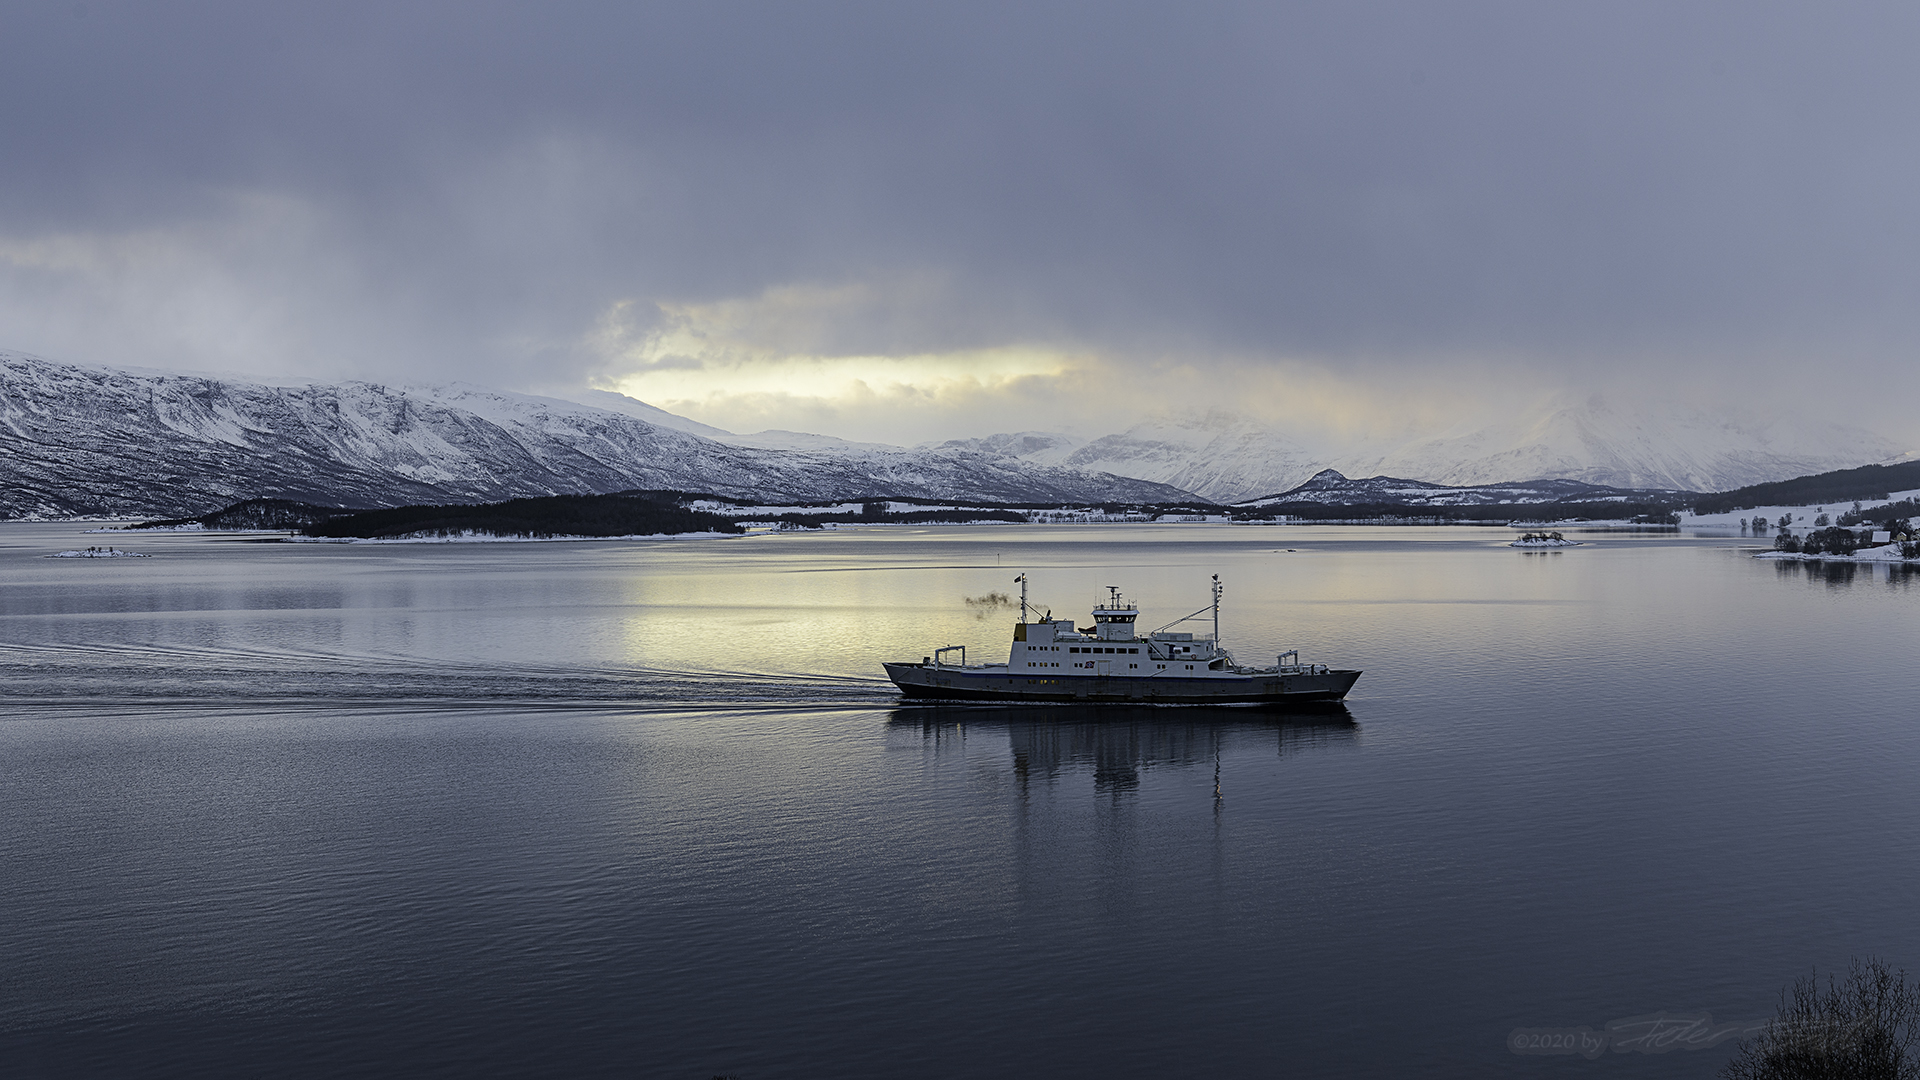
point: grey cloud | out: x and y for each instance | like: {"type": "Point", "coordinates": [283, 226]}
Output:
{"type": "Point", "coordinates": [1372, 184]}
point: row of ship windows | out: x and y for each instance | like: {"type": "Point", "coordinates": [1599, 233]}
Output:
{"type": "Point", "coordinates": [1043, 663]}
{"type": "Point", "coordinates": [1078, 649]}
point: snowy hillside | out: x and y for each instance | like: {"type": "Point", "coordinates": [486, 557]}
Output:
{"type": "Point", "coordinates": [1040, 447]}
{"type": "Point", "coordinates": [640, 410]}
{"type": "Point", "coordinates": [776, 439]}
{"type": "Point", "coordinates": [1584, 437]}
{"type": "Point", "coordinates": [85, 440]}
{"type": "Point", "coordinates": [1217, 455]}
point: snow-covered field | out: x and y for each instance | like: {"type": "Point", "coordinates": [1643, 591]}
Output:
{"type": "Point", "coordinates": [1803, 516]}
{"type": "Point", "coordinates": [1886, 553]}
{"type": "Point", "coordinates": [1804, 521]}
{"type": "Point", "coordinates": [1589, 524]}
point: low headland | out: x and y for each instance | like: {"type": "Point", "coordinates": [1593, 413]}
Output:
{"type": "Point", "coordinates": [628, 514]}
{"type": "Point", "coordinates": [1878, 524]}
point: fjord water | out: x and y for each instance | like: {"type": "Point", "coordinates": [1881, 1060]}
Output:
{"type": "Point", "coordinates": [647, 808]}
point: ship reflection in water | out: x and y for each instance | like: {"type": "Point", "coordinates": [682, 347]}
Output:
{"type": "Point", "coordinates": [1119, 742]}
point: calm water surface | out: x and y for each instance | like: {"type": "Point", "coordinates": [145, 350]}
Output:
{"type": "Point", "coordinates": [649, 809]}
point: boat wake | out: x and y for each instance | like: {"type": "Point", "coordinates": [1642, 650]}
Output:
{"type": "Point", "coordinates": [103, 674]}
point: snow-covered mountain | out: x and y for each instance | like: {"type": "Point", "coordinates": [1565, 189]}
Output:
{"type": "Point", "coordinates": [1585, 437]}
{"type": "Point", "coordinates": [85, 440]}
{"type": "Point", "coordinates": [1572, 436]}
{"type": "Point", "coordinates": [776, 439]}
{"type": "Point", "coordinates": [640, 410]}
{"type": "Point", "coordinates": [1329, 488]}
{"type": "Point", "coordinates": [1216, 455]}
{"type": "Point", "coordinates": [1040, 447]}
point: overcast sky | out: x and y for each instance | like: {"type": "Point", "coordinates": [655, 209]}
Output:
{"type": "Point", "coordinates": [914, 220]}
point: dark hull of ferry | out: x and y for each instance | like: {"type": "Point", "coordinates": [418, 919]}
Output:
{"type": "Point", "coordinates": [961, 684]}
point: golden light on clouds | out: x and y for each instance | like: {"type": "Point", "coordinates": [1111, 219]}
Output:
{"type": "Point", "coordinates": [770, 361]}
{"type": "Point", "coordinates": [767, 392]}
{"type": "Point", "coordinates": [803, 358]}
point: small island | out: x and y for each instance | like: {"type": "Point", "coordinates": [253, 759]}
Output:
{"type": "Point", "coordinates": [98, 553]}
{"type": "Point", "coordinates": [1544, 540]}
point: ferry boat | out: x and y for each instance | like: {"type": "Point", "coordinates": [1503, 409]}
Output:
{"type": "Point", "coordinates": [1052, 660]}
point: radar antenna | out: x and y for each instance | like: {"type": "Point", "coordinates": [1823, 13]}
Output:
{"type": "Point", "coordinates": [1216, 609]}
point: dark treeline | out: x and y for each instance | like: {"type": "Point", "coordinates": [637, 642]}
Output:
{"type": "Point", "coordinates": [626, 513]}
{"type": "Point", "coordinates": [1892, 515]}
{"type": "Point", "coordinates": [647, 512]}
{"type": "Point", "coordinates": [1846, 485]}
{"type": "Point", "coordinates": [873, 507]}
{"type": "Point", "coordinates": [903, 517]}
{"type": "Point", "coordinates": [638, 513]}
{"type": "Point", "coordinates": [255, 514]}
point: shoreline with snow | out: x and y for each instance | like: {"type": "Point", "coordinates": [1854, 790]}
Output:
{"type": "Point", "coordinates": [1885, 553]}
{"type": "Point", "coordinates": [1803, 515]}
{"type": "Point", "coordinates": [494, 538]}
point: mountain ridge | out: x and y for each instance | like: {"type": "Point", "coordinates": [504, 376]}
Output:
{"type": "Point", "coordinates": [1217, 455]}
{"type": "Point", "coordinates": [95, 441]}
{"type": "Point", "coordinates": [1574, 436]}
{"type": "Point", "coordinates": [1330, 487]}
{"type": "Point", "coordinates": [1658, 445]}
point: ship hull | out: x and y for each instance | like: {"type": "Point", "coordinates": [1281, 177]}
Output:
{"type": "Point", "coordinates": [991, 684]}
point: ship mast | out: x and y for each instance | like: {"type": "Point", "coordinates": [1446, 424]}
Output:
{"type": "Point", "coordinates": [1022, 579]}
{"type": "Point", "coordinates": [1216, 611]}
